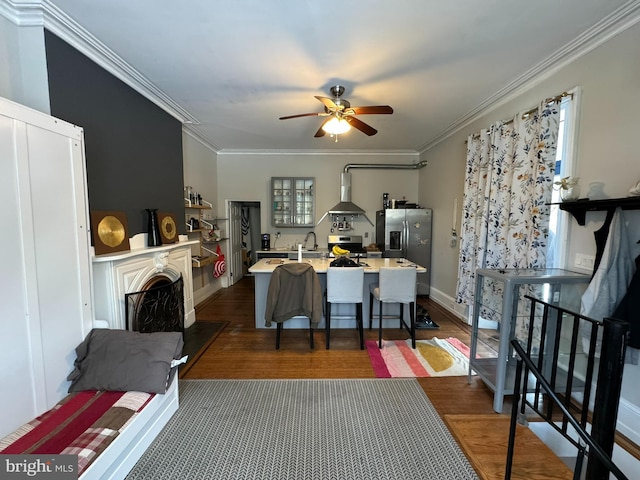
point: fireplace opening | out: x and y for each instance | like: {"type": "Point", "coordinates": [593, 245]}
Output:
{"type": "Point", "coordinates": [158, 307]}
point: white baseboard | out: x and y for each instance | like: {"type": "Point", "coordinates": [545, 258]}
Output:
{"type": "Point", "coordinates": [203, 293]}
{"type": "Point", "coordinates": [189, 318]}
{"type": "Point", "coordinates": [449, 304]}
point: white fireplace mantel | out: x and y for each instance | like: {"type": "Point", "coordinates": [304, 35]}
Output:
{"type": "Point", "coordinates": [115, 275]}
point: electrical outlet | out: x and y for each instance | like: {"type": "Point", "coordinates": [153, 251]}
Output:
{"type": "Point", "coordinates": [585, 261]}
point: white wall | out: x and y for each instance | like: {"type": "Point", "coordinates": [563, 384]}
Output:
{"type": "Point", "coordinates": [247, 177]}
{"type": "Point", "coordinates": [200, 172]}
{"type": "Point", "coordinates": [609, 119]}
{"type": "Point", "coordinates": [23, 65]}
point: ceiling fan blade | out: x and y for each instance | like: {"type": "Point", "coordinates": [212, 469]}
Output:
{"type": "Point", "coordinates": [360, 125]}
{"type": "Point", "coordinates": [372, 110]}
{"type": "Point", "coordinates": [318, 114]}
{"type": "Point", "coordinates": [328, 103]}
{"type": "Point", "coordinates": [321, 132]}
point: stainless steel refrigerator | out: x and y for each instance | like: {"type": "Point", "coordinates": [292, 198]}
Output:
{"type": "Point", "coordinates": [406, 233]}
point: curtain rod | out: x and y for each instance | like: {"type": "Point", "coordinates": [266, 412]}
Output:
{"type": "Point", "coordinates": [548, 101]}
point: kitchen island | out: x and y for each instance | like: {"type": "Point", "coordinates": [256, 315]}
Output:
{"type": "Point", "coordinates": [263, 269]}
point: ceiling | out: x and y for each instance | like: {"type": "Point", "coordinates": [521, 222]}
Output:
{"type": "Point", "coordinates": [233, 67]}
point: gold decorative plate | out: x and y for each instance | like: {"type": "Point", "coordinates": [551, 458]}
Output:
{"type": "Point", "coordinates": [109, 231]}
{"type": "Point", "coordinates": [168, 227]}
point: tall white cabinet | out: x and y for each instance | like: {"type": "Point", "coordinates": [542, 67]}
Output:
{"type": "Point", "coordinates": [45, 297]}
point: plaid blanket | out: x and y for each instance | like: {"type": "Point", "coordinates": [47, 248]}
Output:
{"type": "Point", "coordinates": [83, 424]}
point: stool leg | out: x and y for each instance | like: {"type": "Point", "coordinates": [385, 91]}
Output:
{"type": "Point", "coordinates": [370, 310]}
{"type": "Point", "coordinates": [310, 335]}
{"type": "Point", "coordinates": [380, 326]}
{"type": "Point", "coordinates": [360, 326]}
{"type": "Point", "coordinates": [278, 329]}
{"type": "Point", "coordinates": [401, 314]}
{"type": "Point", "coordinates": [413, 325]}
{"type": "Point", "coordinates": [327, 326]}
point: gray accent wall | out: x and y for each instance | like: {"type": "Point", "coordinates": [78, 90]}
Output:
{"type": "Point", "coordinates": [133, 147]}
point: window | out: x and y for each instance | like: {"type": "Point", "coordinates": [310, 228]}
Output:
{"type": "Point", "coordinates": [565, 166]}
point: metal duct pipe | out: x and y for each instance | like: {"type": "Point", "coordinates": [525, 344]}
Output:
{"type": "Point", "coordinates": [346, 206]}
{"type": "Point", "coordinates": [386, 166]}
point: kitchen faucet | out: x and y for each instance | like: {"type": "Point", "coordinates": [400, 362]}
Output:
{"type": "Point", "coordinates": [315, 244]}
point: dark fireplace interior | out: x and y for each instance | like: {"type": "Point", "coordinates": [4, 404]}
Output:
{"type": "Point", "coordinates": [158, 307]}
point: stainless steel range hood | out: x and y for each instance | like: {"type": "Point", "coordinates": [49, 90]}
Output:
{"type": "Point", "coordinates": [345, 206]}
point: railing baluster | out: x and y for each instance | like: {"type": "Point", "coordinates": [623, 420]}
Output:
{"type": "Point", "coordinates": [536, 390]}
{"type": "Point", "coordinates": [600, 442]}
{"type": "Point", "coordinates": [591, 361]}
{"type": "Point", "coordinates": [575, 331]}
{"type": "Point", "coordinates": [514, 417]}
{"type": "Point", "coordinates": [605, 410]}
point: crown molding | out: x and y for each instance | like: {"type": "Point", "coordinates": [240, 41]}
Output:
{"type": "Point", "coordinates": [617, 22]}
{"type": "Point", "coordinates": [198, 137]}
{"type": "Point", "coordinates": [325, 153]}
{"type": "Point", "coordinates": [24, 13]}
{"type": "Point", "coordinates": [45, 14]}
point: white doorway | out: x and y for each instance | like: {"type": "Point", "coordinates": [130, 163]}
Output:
{"type": "Point", "coordinates": [244, 236]}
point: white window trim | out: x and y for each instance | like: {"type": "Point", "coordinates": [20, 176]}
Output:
{"type": "Point", "coordinates": [570, 167]}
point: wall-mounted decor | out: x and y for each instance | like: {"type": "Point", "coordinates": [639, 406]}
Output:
{"type": "Point", "coordinates": [110, 232]}
{"type": "Point", "coordinates": [168, 227]}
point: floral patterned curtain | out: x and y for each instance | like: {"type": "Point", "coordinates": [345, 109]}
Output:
{"type": "Point", "coordinates": [508, 183]}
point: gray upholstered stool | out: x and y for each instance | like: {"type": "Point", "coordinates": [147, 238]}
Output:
{"type": "Point", "coordinates": [395, 285]}
{"type": "Point", "coordinates": [345, 285]}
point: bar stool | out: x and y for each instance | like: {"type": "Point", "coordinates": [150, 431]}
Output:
{"type": "Point", "coordinates": [345, 285]}
{"type": "Point", "coordinates": [396, 285]}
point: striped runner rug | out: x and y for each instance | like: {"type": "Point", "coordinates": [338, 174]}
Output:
{"type": "Point", "coordinates": [431, 358]}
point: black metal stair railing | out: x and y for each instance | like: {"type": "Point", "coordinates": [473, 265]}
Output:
{"type": "Point", "coordinates": [554, 379]}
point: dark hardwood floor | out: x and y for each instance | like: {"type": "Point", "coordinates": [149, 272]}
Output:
{"type": "Point", "coordinates": [241, 351]}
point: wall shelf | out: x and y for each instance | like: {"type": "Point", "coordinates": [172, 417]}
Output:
{"type": "Point", "coordinates": [213, 242]}
{"type": "Point", "coordinates": [206, 256]}
{"type": "Point", "coordinates": [579, 208]}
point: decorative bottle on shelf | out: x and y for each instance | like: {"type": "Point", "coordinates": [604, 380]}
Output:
{"type": "Point", "coordinates": [570, 193]}
{"type": "Point", "coordinates": [153, 228]}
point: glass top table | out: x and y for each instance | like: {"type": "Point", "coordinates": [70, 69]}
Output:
{"type": "Point", "coordinates": [501, 313]}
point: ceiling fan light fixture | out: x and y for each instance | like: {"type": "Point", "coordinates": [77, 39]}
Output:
{"type": "Point", "coordinates": [336, 126]}
{"type": "Point", "coordinates": [342, 116]}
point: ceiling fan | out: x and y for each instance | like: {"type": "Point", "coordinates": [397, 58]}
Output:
{"type": "Point", "coordinates": [342, 115]}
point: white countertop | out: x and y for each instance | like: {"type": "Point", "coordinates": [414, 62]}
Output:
{"type": "Point", "coordinates": [371, 265]}
{"type": "Point", "coordinates": [292, 250]}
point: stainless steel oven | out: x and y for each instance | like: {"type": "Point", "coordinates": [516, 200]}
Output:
{"type": "Point", "coordinates": [353, 243]}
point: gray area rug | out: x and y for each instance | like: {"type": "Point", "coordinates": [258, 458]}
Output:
{"type": "Point", "coordinates": [304, 429]}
